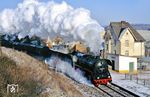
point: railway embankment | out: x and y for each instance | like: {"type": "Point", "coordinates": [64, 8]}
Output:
{"type": "Point", "coordinates": [51, 83]}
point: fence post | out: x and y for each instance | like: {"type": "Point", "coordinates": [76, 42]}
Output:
{"type": "Point", "coordinates": [125, 75]}
{"type": "Point", "coordinates": [144, 82]}
{"type": "Point", "coordinates": [130, 76]}
{"type": "Point", "coordinates": [137, 79]}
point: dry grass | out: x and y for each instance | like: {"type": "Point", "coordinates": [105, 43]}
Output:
{"type": "Point", "coordinates": [11, 74]}
{"type": "Point", "coordinates": [50, 83]}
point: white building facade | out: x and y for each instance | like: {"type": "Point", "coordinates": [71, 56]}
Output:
{"type": "Point", "coordinates": [123, 64]}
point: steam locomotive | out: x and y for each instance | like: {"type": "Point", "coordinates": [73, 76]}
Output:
{"type": "Point", "coordinates": [96, 69]}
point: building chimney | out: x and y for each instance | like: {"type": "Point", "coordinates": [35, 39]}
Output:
{"type": "Point", "coordinates": [122, 24]}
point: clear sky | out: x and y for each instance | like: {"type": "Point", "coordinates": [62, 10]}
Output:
{"type": "Point", "coordinates": [104, 11]}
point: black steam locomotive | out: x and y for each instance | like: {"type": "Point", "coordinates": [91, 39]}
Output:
{"type": "Point", "coordinates": [95, 68]}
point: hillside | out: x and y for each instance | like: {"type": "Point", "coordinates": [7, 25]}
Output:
{"type": "Point", "coordinates": [10, 73]}
{"type": "Point", "coordinates": [141, 26]}
{"type": "Point", "coordinates": [51, 83]}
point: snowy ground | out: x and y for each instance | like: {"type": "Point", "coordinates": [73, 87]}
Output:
{"type": "Point", "coordinates": [138, 87]}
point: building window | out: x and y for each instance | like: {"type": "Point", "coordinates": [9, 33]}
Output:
{"type": "Point", "coordinates": [114, 51]}
{"type": "Point", "coordinates": [106, 46]}
{"type": "Point", "coordinates": [127, 43]}
{"type": "Point", "coordinates": [127, 53]}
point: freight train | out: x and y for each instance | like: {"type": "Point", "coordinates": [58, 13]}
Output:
{"type": "Point", "coordinates": [33, 46]}
{"type": "Point", "coordinates": [96, 69]}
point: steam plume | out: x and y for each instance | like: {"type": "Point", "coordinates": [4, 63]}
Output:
{"type": "Point", "coordinates": [32, 17]}
{"type": "Point", "coordinates": [67, 69]}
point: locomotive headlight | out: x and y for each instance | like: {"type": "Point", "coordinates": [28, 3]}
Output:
{"type": "Point", "coordinates": [108, 76]}
{"type": "Point", "coordinates": [75, 58]}
{"type": "Point", "coordinates": [97, 77]}
{"type": "Point", "coordinates": [99, 64]}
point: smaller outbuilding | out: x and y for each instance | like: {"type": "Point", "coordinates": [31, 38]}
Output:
{"type": "Point", "coordinates": [123, 64]}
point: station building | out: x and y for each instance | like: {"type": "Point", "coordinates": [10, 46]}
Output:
{"type": "Point", "coordinates": [123, 46]}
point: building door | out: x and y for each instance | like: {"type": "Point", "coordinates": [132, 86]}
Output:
{"type": "Point", "coordinates": [113, 65]}
{"type": "Point", "coordinates": [131, 67]}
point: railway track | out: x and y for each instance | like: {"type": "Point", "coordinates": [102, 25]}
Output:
{"type": "Point", "coordinates": [114, 90]}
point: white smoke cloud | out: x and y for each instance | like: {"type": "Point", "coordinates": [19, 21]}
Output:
{"type": "Point", "coordinates": [67, 69]}
{"type": "Point", "coordinates": [32, 17]}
